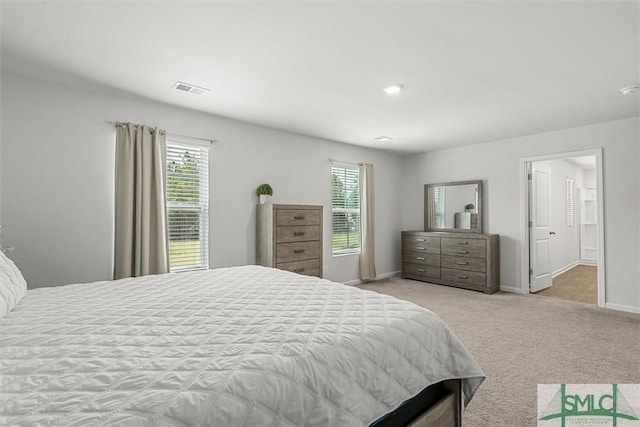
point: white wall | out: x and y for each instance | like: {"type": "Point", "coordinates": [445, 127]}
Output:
{"type": "Point", "coordinates": [589, 178]}
{"type": "Point", "coordinates": [498, 164]}
{"type": "Point", "coordinates": [58, 173]}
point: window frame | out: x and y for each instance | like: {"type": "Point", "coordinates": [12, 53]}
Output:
{"type": "Point", "coordinates": [203, 207]}
{"type": "Point", "coordinates": [346, 210]}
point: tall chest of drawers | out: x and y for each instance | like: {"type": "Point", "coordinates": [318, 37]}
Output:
{"type": "Point", "coordinates": [289, 237]}
{"type": "Point", "coordinates": [465, 260]}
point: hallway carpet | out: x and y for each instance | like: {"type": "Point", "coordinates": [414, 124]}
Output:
{"type": "Point", "coordinates": [521, 341]}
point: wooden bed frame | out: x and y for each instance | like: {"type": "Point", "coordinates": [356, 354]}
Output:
{"type": "Point", "coordinates": [439, 405]}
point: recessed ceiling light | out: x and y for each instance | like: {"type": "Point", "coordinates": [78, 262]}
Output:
{"type": "Point", "coordinates": [393, 89]}
{"type": "Point", "coordinates": [630, 89]}
{"type": "Point", "coordinates": [383, 138]}
{"type": "Point", "coordinates": [187, 87]}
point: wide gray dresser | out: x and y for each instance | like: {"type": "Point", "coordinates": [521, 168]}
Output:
{"type": "Point", "coordinates": [465, 260]}
{"type": "Point", "coordinates": [289, 237]}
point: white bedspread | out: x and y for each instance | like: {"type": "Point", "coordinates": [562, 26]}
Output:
{"type": "Point", "coordinates": [242, 346]}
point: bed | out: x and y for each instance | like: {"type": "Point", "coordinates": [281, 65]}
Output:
{"type": "Point", "coordinates": [240, 346]}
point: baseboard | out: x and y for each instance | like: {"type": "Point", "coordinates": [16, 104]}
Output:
{"type": "Point", "coordinates": [620, 307]}
{"type": "Point", "coordinates": [512, 289]}
{"type": "Point", "coordinates": [565, 269]}
{"type": "Point", "coordinates": [378, 277]}
{"type": "Point", "coordinates": [588, 262]}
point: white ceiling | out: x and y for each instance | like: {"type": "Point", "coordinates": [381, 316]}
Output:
{"type": "Point", "coordinates": [584, 162]}
{"type": "Point", "coordinates": [473, 71]}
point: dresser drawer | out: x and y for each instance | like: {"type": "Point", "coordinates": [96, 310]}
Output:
{"type": "Point", "coordinates": [427, 244]}
{"type": "Point", "coordinates": [297, 233]}
{"type": "Point", "coordinates": [422, 258]}
{"type": "Point", "coordinates": [463, 277]}
{"type": "Point", "coordinates": [476, 248]}
{"type": "Point", "coordinates": [309, 267]}
{"type": "Point", "coordinates": [297, 251]}
{"type": "Point", "coordinates": [298, 217]}
{"type": "Point", "coordinates": [421, 270]}
{"type": "Point", "coordinates": [464, 263]}
{"type": "Point", "coordinates": [461, 259]}
{"type": "Point", "coordinates": [289, 237]}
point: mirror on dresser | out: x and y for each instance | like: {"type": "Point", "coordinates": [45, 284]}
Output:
{"type": "Point", "coordinates": [453, 206]}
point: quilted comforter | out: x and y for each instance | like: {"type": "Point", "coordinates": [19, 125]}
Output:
{"type": "Point", "coordinates": [241, 346]}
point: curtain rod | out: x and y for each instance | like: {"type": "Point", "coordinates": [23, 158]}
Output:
{"type": "Point", "coordinates": [345, 162]}
{"type": "Point", "coordinates": [210, 140]}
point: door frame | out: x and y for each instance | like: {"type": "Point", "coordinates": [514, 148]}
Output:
{"type": "Point", "coordinates": [524, 216]}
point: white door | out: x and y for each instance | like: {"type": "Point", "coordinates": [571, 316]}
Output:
{"type": "Point", "coordinates": [539, 232]}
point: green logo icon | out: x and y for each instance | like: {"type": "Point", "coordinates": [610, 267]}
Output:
{"type": "Point", "coordinates": [611, 405]}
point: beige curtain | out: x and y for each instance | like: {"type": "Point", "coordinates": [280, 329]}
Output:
{"type": "Point", "coordinates": [367, 223]}
{"type": "Point", "coordinates": [141, 238]}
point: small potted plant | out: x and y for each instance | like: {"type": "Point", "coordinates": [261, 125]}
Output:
{"type": "Point", "coordinates": [469, 208]}
{"type": "Point", "coordinates": [264, 191]}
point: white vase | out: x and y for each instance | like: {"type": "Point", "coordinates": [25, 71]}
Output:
{"type": "Point", "coordinates": [265, 199]}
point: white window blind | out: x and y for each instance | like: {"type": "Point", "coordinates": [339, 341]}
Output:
{"type": "Point", "coordinates": [570, 203]}
{"type": "Point", "coordinates": [188, 206]}
{"type": "Point", "coordinates": [438, 202]}
{"type": "Point", "coordinates": [345, 209]}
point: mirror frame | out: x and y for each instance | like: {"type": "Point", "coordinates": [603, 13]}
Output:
{"type": "Point", "coordinates": [428, 207]}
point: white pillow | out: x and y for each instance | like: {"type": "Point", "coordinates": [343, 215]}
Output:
{"type": "Point", "coordinates": [13, 287]}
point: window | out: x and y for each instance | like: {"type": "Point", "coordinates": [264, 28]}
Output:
{"type": "Point", "coordinates": [570, 203]}
{"type": "Point", "coordinates": [345, 209]}
{"type": "Point", "coordinates": [188, 206]}
{"type": "Point", "coordinates": [438, 206]}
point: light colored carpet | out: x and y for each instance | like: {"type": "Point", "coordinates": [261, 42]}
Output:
{"type": "Point", "coordinates": [521, 341]}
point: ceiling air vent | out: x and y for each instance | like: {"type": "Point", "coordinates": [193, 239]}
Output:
{"type": "Point", "coordinates": [186, 87]}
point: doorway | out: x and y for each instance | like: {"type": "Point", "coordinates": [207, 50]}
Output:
{"type": "Point", "coordinates": [562, 226]}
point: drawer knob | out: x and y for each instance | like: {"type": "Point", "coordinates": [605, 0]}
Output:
{"type": "Point", "coordinates": [298, 270]}
{"type": "Point", "coordinates": [421, 240]}
{"type": "Point", "coordinates": [298, 217]}
{"type": "Point", "coordinates": [463, 243]}
{"type": "Point", "coordinates": [420, 248]}
{"type": "Point", "coordinates": [298, 233]}
{"type": "Point", "coordinates": [462, 263]}
{"type": "Point", "coordinates": [421, 270]}
{"type": "Point", "coordinates": [462, 252]}
{"type": "Point", "coordinates": [421, 258]}
{"type": "Point", "coordinates": [298, 251]}
{"type": "Point", "coordinates": [463, 277]}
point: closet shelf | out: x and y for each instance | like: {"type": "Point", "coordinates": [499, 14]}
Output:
{"type": "Point", "coordinates": [588, 224]}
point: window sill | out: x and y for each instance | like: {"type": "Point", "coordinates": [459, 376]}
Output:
{"type": "Point", "coordinates": [344, 254]}
{"type": "Point", "coordinates": [182, 270]}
